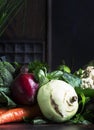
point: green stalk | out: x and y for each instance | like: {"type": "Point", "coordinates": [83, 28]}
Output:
{"type": "Point", "coordinates": [8, 13]}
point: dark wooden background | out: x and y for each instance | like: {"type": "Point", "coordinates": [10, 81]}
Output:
{"type": "Point", "coordinates": [72, 32]}
{"type": "Point", "coordinates": [66, 27]}
{"type": "Point", "coordinates": [29, 23]}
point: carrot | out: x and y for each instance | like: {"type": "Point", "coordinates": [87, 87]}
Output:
{"type": "Point", "coordinates": [17, 114]}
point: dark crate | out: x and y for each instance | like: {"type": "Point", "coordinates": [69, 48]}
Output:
{"type": "Point", "coordinates": [22, 51]}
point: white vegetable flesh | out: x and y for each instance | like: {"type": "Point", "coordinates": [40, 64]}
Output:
{"type": "Point", "coordinates": [58, 100]}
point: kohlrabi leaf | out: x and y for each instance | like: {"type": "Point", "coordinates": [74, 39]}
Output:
{"type": "Point", "coordinates": [83, 101]}
{"type": "Point", "coordinates": [55, 75]}
{"type": "Point", "coordinates": [88, 92]}
{"type": "Point", "coordinates": [72, 79]}
{"type": "Point", "coordinates": [41, 77]}
{"type": "Point", "coordinates": [39, 70]}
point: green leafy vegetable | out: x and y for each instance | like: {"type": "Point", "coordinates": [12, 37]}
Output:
{"type": "Point", "coordinates": [6, 100]}
{"type": "Point", "coordinates": [36, 66]}
{"type": "Point", "coordinates": [72, 79]}
{"type": "Point", "coordinates": [83, 102]}
{"type": "Point", "coordinates": [8, 10]}
{"type": "Point", "coordinates": [9, 67]}
{"type": "Point", "coordinates": [64, 68]}
{"type": "Point", "coordinates": [39, 70]}
{"type": "Point", "coordinates": [87, 92]}
{"type": "Point", "coordinates": [41, 73]}
{"type": "Point", "coordinates": [6, 73]}
{"type": "Point", "coordinates": [6, 78]}
{"type": "Point", "coordinates": [42, 78]}
{"type": "Point", "coordinates": [79, 119]}
{"type": "Point", "coordinates": [55, 75]}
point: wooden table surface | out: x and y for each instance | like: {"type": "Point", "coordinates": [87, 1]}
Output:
{"type": "Point", "coordinates": [19, 126]}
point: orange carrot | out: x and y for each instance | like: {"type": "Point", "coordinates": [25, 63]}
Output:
{"type": "Point", "coordinates": [17, 114]}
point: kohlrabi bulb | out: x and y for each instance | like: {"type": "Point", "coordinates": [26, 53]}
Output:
{"type": "Point", "coordinates": [57, 100]}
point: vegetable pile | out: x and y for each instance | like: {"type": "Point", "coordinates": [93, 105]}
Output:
{"type": "Point", "coordinates": [31, 93]}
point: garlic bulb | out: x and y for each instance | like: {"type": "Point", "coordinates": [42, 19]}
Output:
{"type": "Point", "coordinates": [57, 100]}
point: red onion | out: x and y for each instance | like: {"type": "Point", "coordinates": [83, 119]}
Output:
{"type": "Point", "coordinates": [24, 88]}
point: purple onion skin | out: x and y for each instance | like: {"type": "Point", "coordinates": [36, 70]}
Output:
{"type": "Point", "coordinates": [24, 89]}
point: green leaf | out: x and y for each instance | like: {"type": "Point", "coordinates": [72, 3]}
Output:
{"type": "Point", "coordinates": [87, 92]}
{"type": "Point", "coordinates": [8, 10]}
{"type": "Point", "coordinates": [64, 68]}
{"type": "Point", "coordinates": [6, 76]}
{"type": "Point", "coordinates": [5, 90]}
{"type": "Point", "coordinates": [6, 101]}
{"type": "Point", "coordinates": [55, 75]}
{"type": "Point", "coordinates": [36, 66]}
{"type": "Point", "coordinates": [42, 78]}
{"type": "Point", "coordinates": [72, 79]}
{"type": "Point", "coordinates": [83, 101]}
{"type": "Point", "coordinates": [39, 69]}
{"type": "Point", "coordinates": [79, 119]}
{"type": "Point", "coordinates": [79, 73]}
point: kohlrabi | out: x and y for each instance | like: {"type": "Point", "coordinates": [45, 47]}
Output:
{"type": "Point", "coordinates": [57, 100]}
